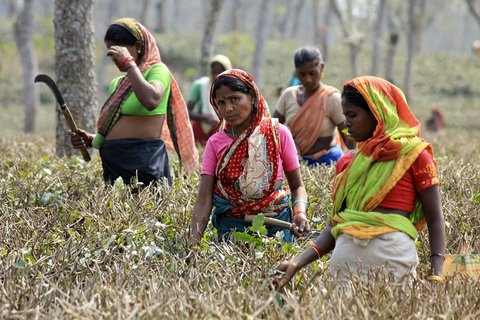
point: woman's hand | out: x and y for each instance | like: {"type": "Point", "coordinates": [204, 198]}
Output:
{"type": "Point", "coordinates": [121, 57]}
{"type": "Point", "coordinates": [284, 273]}
{"type": "Point", "coordinates": [80, 138]}
{"type": "Point", "coordinates": [299, 225]}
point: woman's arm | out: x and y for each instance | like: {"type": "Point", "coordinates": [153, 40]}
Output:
{"type": "Point", "coordinates": [201, 209]}
{"type": "Point", "coordinates": [198, 116]}
{"type": "Point", "coordinates": [324, 244]}
{"type": "Point", "coordinates": [81, 138]}
{"type": "Point", "coordinates": [298, 191]}
{"type": "Point", "coordinates": [148, 93]}
{"type": "Point", "coordinates": [430, 199]}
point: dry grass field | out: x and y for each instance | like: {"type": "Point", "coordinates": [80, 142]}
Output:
{"type": "Point", "coordinates": [72, 248]}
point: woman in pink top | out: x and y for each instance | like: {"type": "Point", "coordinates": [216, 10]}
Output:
{"type": "Point", "coordinates": [243, 164]}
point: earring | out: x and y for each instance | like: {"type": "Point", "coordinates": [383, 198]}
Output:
{"type": "Point", "coordinates": [139, 51]}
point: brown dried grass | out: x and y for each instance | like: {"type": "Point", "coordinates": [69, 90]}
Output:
{"type": "Point", "coordinates": [72, 248]}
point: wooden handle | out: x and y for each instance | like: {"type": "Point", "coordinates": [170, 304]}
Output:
{"type": "Point", "coordinates": [73, 126]}
{"type": "Point", "coordinates": [269, 221]}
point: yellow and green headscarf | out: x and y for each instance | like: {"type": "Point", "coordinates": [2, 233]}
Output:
{"type": "Point", "coordinates": [380, 162]}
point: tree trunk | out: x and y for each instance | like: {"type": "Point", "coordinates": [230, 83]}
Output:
{"type": "Point", "coordinates": [112, 7]}
{"type": "Point", "coordinates": [286, 19]}
{"type": "Point", "coordinates": [296, 18]}
{"type": "Point", "coordinates": [352, 36]}
{"type": "Point", "coordinates": [377, 38]}
{"type": "Point", "coordinates": [143, 12]}
{"type": "Point", "coordinates": [473, 11]}
{"type": "Point", "coordinates": [316, 23]}
{"type": "Point", "coordinates": [208, 34]}
{"type": "Point", "coordinates": [324, 29]}
{"type": "Point", "coordinates": [176, 14]}
{"type": "Point", "coordinates": [160, 17]}
{"type": "Point", "coordinates": [394, 34]}
{"type": "Point", "coordinates": [235, 16]}
{"type": "Point", "coordinates": [413, 40]}
{"type": "Point", "coordinates": [23, 30]}
{"type": "Point", "coordinates": [74, 67]}
{"type": "Point", "coordinates": [262, 31]}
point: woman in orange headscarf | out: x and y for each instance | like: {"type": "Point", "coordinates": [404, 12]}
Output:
{"type": "Point", "coordinates": [384, 193]}
{"type": "Point", "coordinates": [132, 134]}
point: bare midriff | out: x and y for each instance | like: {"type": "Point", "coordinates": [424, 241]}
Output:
{"type": "Point", "coordinates": [322, 143]}
{"type": "Point", "coordinates": [141, 127]}
{"type": "Point", "coordinates": [385, 210]}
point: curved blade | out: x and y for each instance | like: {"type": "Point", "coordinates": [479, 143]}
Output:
{"type": "Point", "coordinates": [52, 85]}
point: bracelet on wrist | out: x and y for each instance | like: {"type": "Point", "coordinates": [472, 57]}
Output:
{"type": "Point", "coordinates": [125, 60]}
{"type": "Point", "coordinates": [297, 212]}
{"type": "Point", "coordinates": [436, 278]}
{"type": "Point", "coordinates": [317, 250]}
{"type": "Point", "coordinates": [131, 66]}
{"type": "Point", "coordinates": [300, 200]}
{"type": "Point", "coordinates": [438, 255]}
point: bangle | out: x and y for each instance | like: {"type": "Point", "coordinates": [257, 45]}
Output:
{"type": "Point", "coordinates": [297, 212]}
{"type": "Point", "coordinates": [300, 200]}
{"type": "Point", "coordinates": [132, 66]}
{"type": "Point", "coordinates": [317, 249]}
{"type": "Point", "coordinates": [125, 60]}
{"type": "Point", "coordinates": [437, 254]}
{"type": "Point", "coordinates": [436, 278]}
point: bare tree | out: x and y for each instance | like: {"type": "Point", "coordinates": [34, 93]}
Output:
{"type": "Point", "coordinates": [393, 36]}
{"type": "Point", "coordinates": [352, 36]}
{"type": "Point", "coordinates": [23, 31]}
{"type": "Point", "coordinates": [177, 4]}
{"type": "Point", "coordinates": [286, 19]}
{"type": "Point", "coordinates": [235, 15]}
{"type": "Point", "coordinates": [323, 29]}
{"type": "Point", "coordinates": [143, 12]}
{"type": "Point", "coordinates": [296, 17]}
{"type": "Point", "coordinates": [209, 33]}
{"type": "Point", "coordinates": [474, 11]}
{"type": "Point", "coordinates": [112, 7]}
{"type": "Point", "coordinates": [316, 23]}
{"type": "Point", "coordinates": [262, 31]}
{"type": "Point", "coordinates": [377, 37]}
{"type": "Point", "coordinates": [74, 66]}
{"type": "Point", "coordinates": [160, 17]}
{"type": "Point", "coordinates": [416, 12]}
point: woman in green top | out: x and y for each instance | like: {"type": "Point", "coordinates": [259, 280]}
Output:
{"type": "Point", "coordinates": [131, 137]}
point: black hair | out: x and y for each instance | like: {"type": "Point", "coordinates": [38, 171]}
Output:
{"type": "Point", "coordinates": [307, 54]}
{"type": "Point", "coordinates": [233, 83]}
{"type": "Point", "coordinates": [119, 35]}
{"type": "Point", "coordinates": [352, 95]}
{"type": "Point", "coordinates": [216, 63]}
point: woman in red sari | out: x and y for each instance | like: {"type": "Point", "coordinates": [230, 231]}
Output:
{"type": "Point", "coordinates": [244, 164]}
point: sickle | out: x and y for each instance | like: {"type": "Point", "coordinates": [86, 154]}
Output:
{"type": "Point", "coordinates": [66, 112]}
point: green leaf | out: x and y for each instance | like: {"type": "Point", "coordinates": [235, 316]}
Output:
{"type": "Point", "coordinates": [258, 221]}
{"type": "Point", "coordinates": [242, 236]}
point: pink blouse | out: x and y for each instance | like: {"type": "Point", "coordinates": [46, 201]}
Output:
{"type": "Point", "coordinates": [216, 145]}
